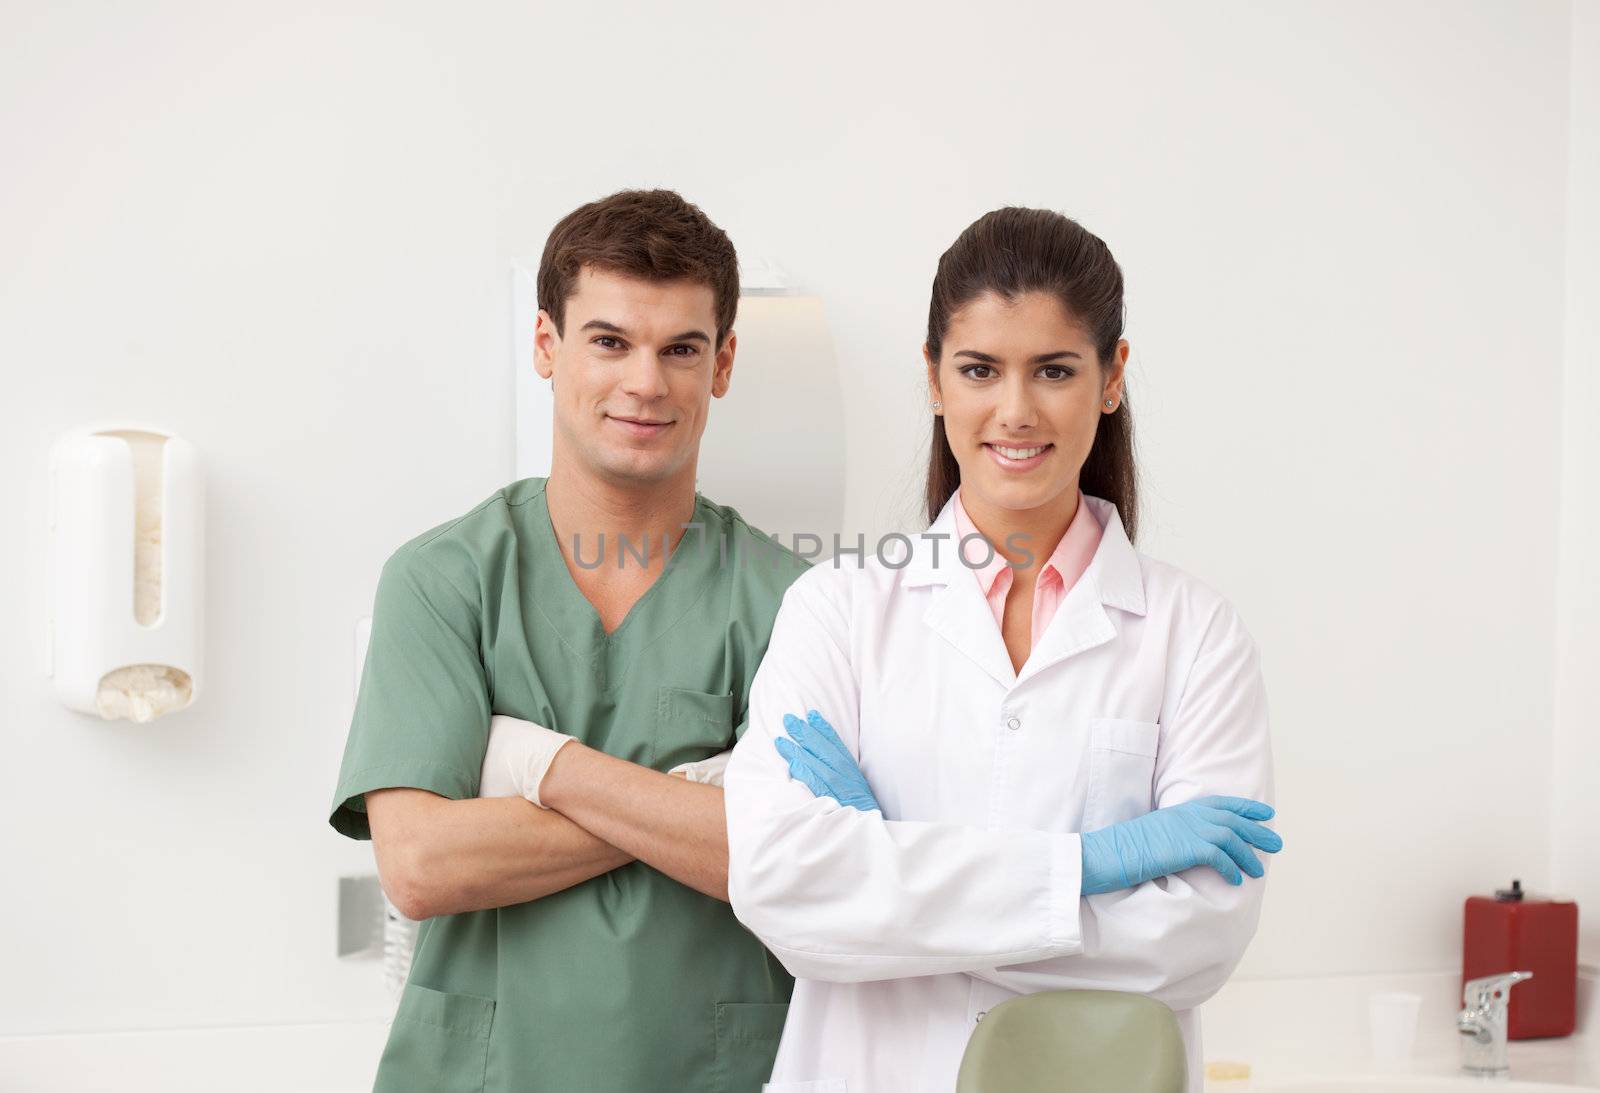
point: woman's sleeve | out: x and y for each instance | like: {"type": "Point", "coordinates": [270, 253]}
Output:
{"type": "Point", "coordinates": [1178, 938]}
{"type": "Point", "coordinates": [845, 895]}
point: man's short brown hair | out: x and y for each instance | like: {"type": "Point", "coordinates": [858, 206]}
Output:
{"type": "Point", "coordinates": [652, 234]}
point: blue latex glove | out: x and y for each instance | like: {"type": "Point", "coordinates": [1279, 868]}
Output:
{"type": "Point", "coordinates": [1210, 831]}
{"type": "Point", "coordinates": [819, 759]}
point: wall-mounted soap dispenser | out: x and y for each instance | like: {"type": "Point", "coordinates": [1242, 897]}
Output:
{"type": "Point", "coordinates": [127, 551]}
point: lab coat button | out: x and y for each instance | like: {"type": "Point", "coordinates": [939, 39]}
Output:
{"type": "Point", "coordinates": [1014, 724]}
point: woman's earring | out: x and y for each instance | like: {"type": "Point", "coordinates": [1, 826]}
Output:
{"type": "Point", "coordinates": [937, 406]}
{"type": "Point", "coordinates": [1110, 403]}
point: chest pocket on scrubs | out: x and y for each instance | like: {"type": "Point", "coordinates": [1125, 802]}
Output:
{"type": "Point", "coordinates": [438, 1043]}
{"type": "Point", "coordinates": [690, 726]}
{"type": "Point", "coordinates": [1122, 763]}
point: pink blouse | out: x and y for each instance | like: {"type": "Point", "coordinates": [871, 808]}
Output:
{"type": "Point", "coordinates": [1061, 570]}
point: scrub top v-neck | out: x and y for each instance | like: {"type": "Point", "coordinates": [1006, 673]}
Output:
{"type": "Point", "coordinates": [629, 980]}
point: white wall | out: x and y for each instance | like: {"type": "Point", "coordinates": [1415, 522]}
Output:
{"type": "Point", "coordinates": [287, 235]}
{"type": "Point", "coordinates": [1576, 755]}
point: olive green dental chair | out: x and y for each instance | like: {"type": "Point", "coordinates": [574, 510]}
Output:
{"type": "Point", "coordinates": [1075, 1042]}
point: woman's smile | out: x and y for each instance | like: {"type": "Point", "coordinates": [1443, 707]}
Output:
{"type": "Point", "coordinates": [1018, 459]}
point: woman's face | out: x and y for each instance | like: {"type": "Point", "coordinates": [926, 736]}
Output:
{"type": "Point", "coordinates": [1022, 392]}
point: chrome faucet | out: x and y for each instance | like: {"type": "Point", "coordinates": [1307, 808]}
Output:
{"type": "Point", "coordinates": [1482, 1022]}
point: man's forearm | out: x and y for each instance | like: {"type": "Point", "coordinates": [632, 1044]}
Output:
{"type": "Point", "coordinates": [438, 857]}
{"type": "Point", "coordinates": [668, 823]}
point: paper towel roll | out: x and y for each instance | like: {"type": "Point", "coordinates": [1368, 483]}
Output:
{"type": "Point", "coordinates": [127, 518]}
{"type": "Point", "coordinates": [140, 692]}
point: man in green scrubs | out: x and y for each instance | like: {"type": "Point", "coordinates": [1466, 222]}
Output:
{"type": "Point", "coordinates": [580, 939]}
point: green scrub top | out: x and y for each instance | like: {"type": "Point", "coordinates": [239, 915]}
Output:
{"type": "Point", "coordinates": [629, 981]}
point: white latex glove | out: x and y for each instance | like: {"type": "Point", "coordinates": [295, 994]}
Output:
{"type": "Point", "coordinates": [519, 754]}
{"type": "Point", "coordinates": [708, 771]}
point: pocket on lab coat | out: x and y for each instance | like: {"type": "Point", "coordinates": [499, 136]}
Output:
{"type": "Point", "coordinates": [1122, 764]}
{"type": "Point", "coordinates": [690, 726]}
{"type": "Point", "coordinates": [747, 1043]}
{"type": "Point", "coordinates": [822, 1085]}
{"type": "Point", "coordinates": [439, 1043]}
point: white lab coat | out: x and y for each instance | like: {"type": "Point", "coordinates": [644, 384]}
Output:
{"type": "Point", "coordinates": [1144, 691]}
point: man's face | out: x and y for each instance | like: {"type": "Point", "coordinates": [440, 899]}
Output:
{"type": "Point", "coordinates": [633, 375]}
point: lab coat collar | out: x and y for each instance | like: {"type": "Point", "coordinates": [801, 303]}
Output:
{"type": "Point", "coordinates": [1115, 567]}
{"type": "Point", "coordinates": [1114, 571]}
{"type": "Point", "coordinates": [962, 616]}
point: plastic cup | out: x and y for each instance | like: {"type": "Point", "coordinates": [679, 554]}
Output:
{"type": "Point", "coordinates": [1392, 1017]}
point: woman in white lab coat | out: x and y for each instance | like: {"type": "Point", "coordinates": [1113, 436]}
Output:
{"type": "Point", "coordinates": [1034, 770]}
